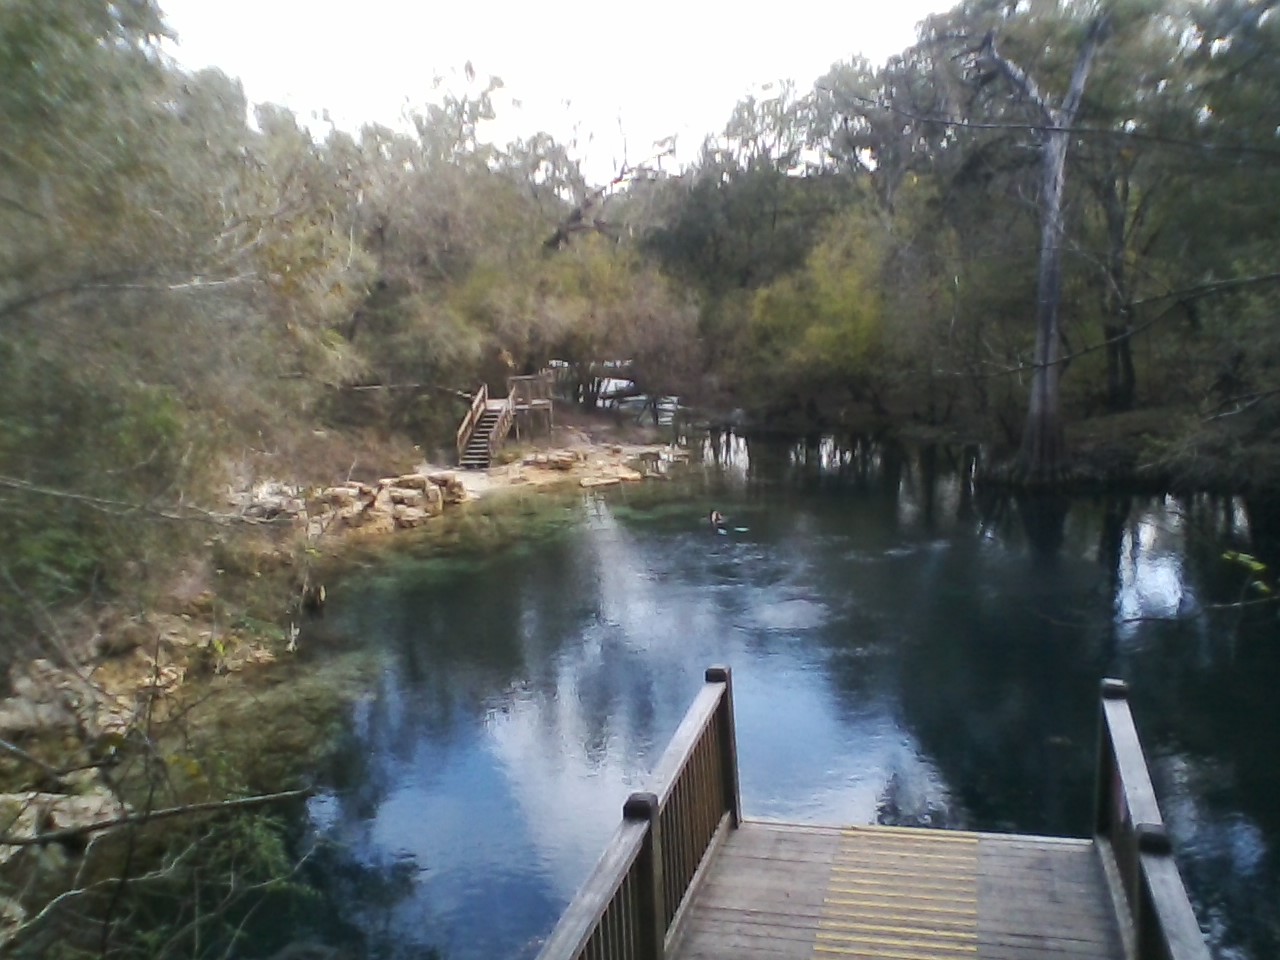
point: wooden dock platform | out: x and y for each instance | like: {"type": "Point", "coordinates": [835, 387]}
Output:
{"type": "Point", "coordinates": [784, 891]}
{"type": "Point", "coordinates": [686, 878]}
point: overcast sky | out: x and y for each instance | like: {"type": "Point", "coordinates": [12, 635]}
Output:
{"type": "Point", "coordinates": [588, 71]}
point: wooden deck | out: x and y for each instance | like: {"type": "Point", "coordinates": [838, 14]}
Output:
{"type": "Point", "coordinates": [886, 893]}
{"type": "Point", "coordinates": [686, 878]}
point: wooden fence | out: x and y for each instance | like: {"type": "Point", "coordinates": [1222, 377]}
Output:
{"type": "Point", "coordinates": [1128, 822]}
{"type": "Point", "coordinates": [633, 900]}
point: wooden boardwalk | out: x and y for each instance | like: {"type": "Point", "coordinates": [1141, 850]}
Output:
{"type": "Point", "coordinates": [685, 877]}
{"type": "Point", "coordinates": [885, 893]}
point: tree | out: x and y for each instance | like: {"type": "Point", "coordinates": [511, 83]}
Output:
{"type": "Point", "coordinates": [1042, 455]}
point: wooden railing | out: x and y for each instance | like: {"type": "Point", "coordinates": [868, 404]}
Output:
{"type": "Point", "coordinates": [531, 389]}
{"type": "Point", "coordinates": [501, 426]}
{"type": "Point", "coordinates": [1128, 822]}
{"type": "Point", "coordinates": [478, 404]}
{"type": "Point", "coordinates": [631, 905]}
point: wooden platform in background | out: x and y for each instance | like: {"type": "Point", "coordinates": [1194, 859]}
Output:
{"type": "Point", "coordinates": [781, 891]}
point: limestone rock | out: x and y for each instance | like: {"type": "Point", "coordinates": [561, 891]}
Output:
{"type": "Point", "coordinates": [454, 490]}
{"type": "Point", "coordinates": [412, 481]}
{"type": "Point", "coordinates": [268, 500]}
{"type": "Point", "coordinates": [30, 814]}
{"type": "Point", "coordinates": [346, 495]}
{"type": "Point", "coordinates": [19, 716]}
{"type": "Point", "coordinates": [407, 497]}
{"type": "Point", "coordinates": [408, 517]}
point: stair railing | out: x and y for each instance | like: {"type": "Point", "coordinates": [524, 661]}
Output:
{"type": "Point", "coordinates": [502, 425]}
{"type": "Point", "coordinates": [472, 418]}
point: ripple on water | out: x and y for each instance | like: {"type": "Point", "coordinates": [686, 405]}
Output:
{"type": "Point", "coordinates": [795, 614]}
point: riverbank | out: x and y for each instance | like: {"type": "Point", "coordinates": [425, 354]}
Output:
{"type": "Point", "coordinates": [205, 675]}
{"type": "Point", "coordinates": [238, 605]}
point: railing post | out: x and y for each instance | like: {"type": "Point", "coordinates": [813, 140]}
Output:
{"type": "Point", "coordinates": [728, 743]}
{"type": "Point", "coordinates": [652, 925]}
{"type": "Point", "coordinates": [1104, 801]}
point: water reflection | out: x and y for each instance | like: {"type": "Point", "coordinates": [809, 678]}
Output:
{"type": "Point", "coordinates": [905, 651]}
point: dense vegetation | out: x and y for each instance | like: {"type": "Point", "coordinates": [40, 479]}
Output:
{"type": "Point", "coordinates": [189, 281]}
{"type": "Point", "coordinates": [183, 276]}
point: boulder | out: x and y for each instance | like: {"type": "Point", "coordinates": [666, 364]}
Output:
{"type": "Point", "coordinates": [405, 497]}
{"type": "Point", "coordinates": [408, 517]}
{"type": "Point", "coordinates": [433, 501]}
{"type": "Point", "coordinates": [19, 716]}
{"type": "Point", "coordinates": [268, 500]}
{"type": "Point", "coordinates": [340, 497]}
{"type": "Point", "coordinates": [563, 460]}
{"type": "Point", "coordinates": [453, 489]}
{"type": "Point", "coordinates": [412, 481]}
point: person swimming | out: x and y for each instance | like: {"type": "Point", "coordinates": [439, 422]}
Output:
{"type": "Point", "coordinates": [716, 518]}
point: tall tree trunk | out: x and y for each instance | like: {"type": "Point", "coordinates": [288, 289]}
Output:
{"type": "Point", "coordinates": [1043, 453]}
{"type": "Point", "coordinates": [1121, 377]}
{"type": "Point", "coordinates": [1043, 446]}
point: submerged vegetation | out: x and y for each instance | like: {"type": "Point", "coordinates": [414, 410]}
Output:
{"type": "Point", "coordinates": [197, 292]}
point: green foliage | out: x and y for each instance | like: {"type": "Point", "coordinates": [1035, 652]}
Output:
{"type": "Point", "coordinates": [1258, 574]}
{"type": "Point", "coordinates": [821, 330]}
{"type": "Point", "coordinates": [115, 444]}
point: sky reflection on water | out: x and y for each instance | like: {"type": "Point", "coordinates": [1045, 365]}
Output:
{"type": "Point", "coordinates": [902, 653]}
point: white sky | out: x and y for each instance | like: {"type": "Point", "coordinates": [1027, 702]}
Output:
{"type": "Point", "coordinates": [586, 71]}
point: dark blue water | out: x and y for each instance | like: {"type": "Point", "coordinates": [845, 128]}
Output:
{"type": "Point", "coordinates": [904, 651]}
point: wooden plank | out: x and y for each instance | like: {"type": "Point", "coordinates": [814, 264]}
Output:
{"type": "Point", "coordinates": [897, 894]}
{"type": "Point", "coordinates": [1139, 795]}
{"type": "Point", "coordinates": [814, 919]}
{"type": "Point", "coordinates": [1180, 932]}
{"type": "Point", "coordinates": [1055, 903]}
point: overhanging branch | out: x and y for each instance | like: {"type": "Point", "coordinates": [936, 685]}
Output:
{"type": "Point", "coordinates": [137, 819]}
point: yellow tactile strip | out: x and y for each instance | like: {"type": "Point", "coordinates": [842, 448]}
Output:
{"type": "Point", "coordinates": [899, 894]}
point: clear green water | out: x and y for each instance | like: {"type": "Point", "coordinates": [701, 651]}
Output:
{"type": "Point", "coordinates": [903, 652]}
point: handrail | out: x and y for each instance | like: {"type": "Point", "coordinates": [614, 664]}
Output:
{"type": "Point", "coordinates": [501, 425]}
{"type": "Point", "coordinates": [531, 388]}
{"type": "Point", "coordinates": [630, 906]}
{"type": "Point", "coordinates": [478, 404]}
{"type": "Point", "coordinates": [1127, 819]}
{"type": "Point", "coordinates": [587, 914]}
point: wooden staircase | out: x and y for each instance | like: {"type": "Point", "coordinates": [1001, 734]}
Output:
{"type": "Point", "coordinates": [485, 426]}
{"type": "Point", "coordinates": [478, 454]}
{"type": "Point", "coordinates": [488, 422]}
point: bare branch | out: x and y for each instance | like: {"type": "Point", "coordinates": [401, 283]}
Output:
{"type": "Point", "coordinates": [165, 813]}
{"type": "Point", "coordinates": [1050, 127]}
{"type": "Point", "coordinates": [184, 512]}
{"type": "Point", "coordinates": [17, 751]}
{"type": "Point", "coordinates": [1099, 28]}
{"type": "Point", "coordinates": [1019, 78]}
{"type": "Point", "coordinates": [1242, 403]}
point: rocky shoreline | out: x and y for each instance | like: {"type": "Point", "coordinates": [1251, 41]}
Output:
{"type": "Point", "coordinates": [61, 719]}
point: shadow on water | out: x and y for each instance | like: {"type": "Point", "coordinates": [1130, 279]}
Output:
{"type": "Point", "coordinates": [906, 650]}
